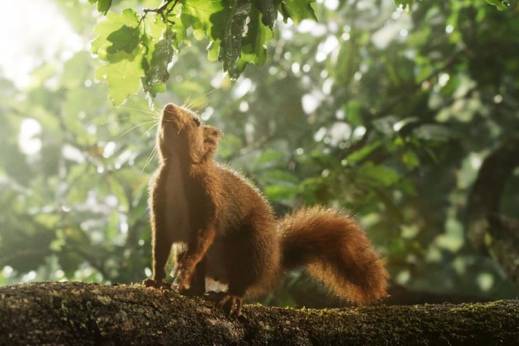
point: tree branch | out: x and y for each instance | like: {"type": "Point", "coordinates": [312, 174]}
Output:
{"type": "Point", "coordinates": [79, 313]}
{"type": "Point", "coordinates": [163, 10]}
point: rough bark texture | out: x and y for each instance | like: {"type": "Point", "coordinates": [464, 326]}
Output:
{"type": "Point", "coordinates": [79, 313]}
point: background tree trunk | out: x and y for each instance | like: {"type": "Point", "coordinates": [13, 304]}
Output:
{"type": "Point", "coordinates": [487, 228]}
{"type": "Point", "coordinates": [79, 313]}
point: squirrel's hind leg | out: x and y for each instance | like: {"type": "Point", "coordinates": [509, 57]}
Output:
{"type": "Point", "coordinates": [251, 258]}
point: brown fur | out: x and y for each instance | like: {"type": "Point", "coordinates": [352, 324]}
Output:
{"type": "Point", "coordinates": [231, 232]}
{"type": "Point", "coordinates": [335, 251]}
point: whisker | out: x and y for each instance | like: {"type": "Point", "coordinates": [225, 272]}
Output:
{"type": "Point", "coordinates": [139, 110]}
{"type": "Point", "coordinates": [209, 93]}
{"type": "Point", "coordinates": [212, 91]}
{"type": "Point", "coordinates": [150, 128]}
{"type": "Point", "coordinates": [186, 107]}
{"type": "Point", "coordinates": [190, 106]}
{"type": "Point", "coordinates": [135, 127]}
{"type": "Point", "coordinates": [151, 156]}
{"type": "Point", "coordinates": [136, 108]}
{"type": "Point", "coordinates": [187, 104]}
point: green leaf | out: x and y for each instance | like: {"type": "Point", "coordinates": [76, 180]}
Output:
{"type": "Point", "coordinates": [298, 9]}
{"type": "Point", "coordinates": [213, 51]}
{"type": "Point", "coordinates": [106, 42]}
{"type": "Point", "coordinates": [229, 27]}
{"type": "Point", "coordinates": [277, 176]}
{"type": "Point", "coordinates": [269, 156]}
{"type": "Point", "coordinates": [362, 153]}
{"type": "Point", "coordinates": [381, 175]}
{"type": "Point", "coordinates": [104, 5]}
{"type": "Point", "coordinates": [410, 159]}
{"type": "Point", "coordinates": [254, 45]}
{"type": "Point", "coordinates": [281, 192]}
{"type": "Point", "coordinates": [353, 110]}
{"type": "Point", "coordinates": [432, 132]}
{"type": "Point", "coordinates": [500, 4]}
{"type": "Point", "coordinates": [154, 27]}
{"type": "Point", "coordinates": [197, 14]}
{"type": "Point", "coordinates": [123, 78]}
{"type": "Point", "coordinates": [156, 69]}
{"type": "Point", "coordinates": [125, 39]}
{"type": "Point", "coordinates": [385, 124]}
{"type": "Point", "coordinates": [117, 41]}
{"type": "Point", "coordinates": [269, 11]}
{"type": "Point", "coordinates": [347, 63]}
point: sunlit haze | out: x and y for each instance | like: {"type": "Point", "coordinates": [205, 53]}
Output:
{"type": "Point", "coordinates": [32, 32]}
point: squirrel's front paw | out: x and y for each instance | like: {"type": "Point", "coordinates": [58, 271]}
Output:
{"type": "Point", "coordinates": [229, 303]}
{"type": "Point", "coordinates": [149, 283]}
{"type": "Point", "coordinates": [180, 289]}
{"type": "Point", "coordinates": [155, 283]}
{"type": "Point", "coordinates": [183, 283]}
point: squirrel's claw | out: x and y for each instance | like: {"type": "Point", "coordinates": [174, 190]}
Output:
{"type": "Point", "coordinates": [149, 282]}
{"type": "Point", "coordinates": [178, 288]}
{"type": "Point", "coordinates": [183, 282]}
{"type": "Point", "coordinates": [155, 283]}
{"type": "Point", "coordinates": [181, 285]}
{"type": "Point", "coordinates": [231, 305]}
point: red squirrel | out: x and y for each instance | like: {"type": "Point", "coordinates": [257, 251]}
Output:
{"type": "Point", "coordinates": [232, 234]}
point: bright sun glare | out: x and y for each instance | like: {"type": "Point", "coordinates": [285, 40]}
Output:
{"type": "Point", "coordinates": [32, 32]}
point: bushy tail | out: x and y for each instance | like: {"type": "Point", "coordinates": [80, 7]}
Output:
{"type": "Point", "coordinates": [334, 250]}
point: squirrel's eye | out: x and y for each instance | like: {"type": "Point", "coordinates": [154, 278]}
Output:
{"type": "Point", "coordinates": [197, 121]}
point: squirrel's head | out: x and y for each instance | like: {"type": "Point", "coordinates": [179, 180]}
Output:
{"type": "Point", "coordinates": [183, 135]}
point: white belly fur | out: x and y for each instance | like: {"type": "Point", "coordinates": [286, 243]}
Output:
{"type": "Point", "coordinates": [177, 215]}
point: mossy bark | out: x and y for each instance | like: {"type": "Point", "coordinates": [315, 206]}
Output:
{"type": "Point", "coordinates": [79, 313]}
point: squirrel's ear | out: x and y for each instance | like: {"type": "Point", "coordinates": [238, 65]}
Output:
{"type": "Point", "coordinates": [212, 132]}
{"type": "Point", "coordinates": [219, 133]}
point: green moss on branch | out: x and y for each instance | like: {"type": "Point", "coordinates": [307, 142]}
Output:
{"type": "Point", "coordinates": [79, 313]}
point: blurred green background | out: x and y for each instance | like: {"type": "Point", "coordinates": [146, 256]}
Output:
{"type": "Point", "coordinates": [387, 113]}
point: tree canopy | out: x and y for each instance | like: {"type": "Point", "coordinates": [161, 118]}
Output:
{"type": "Point", "coordinates": [138, 45]}
{"type": "Point", "coordinates": [405, 114]}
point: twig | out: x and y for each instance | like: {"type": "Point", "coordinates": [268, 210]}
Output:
{"type": "Point", "coordinates": [163, 10]}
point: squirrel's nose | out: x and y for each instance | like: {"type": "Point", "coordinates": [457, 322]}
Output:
{"type": "Point", "coordinates": [172, 113]}
{"type": "Point", "coordinates": [170, 108]}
